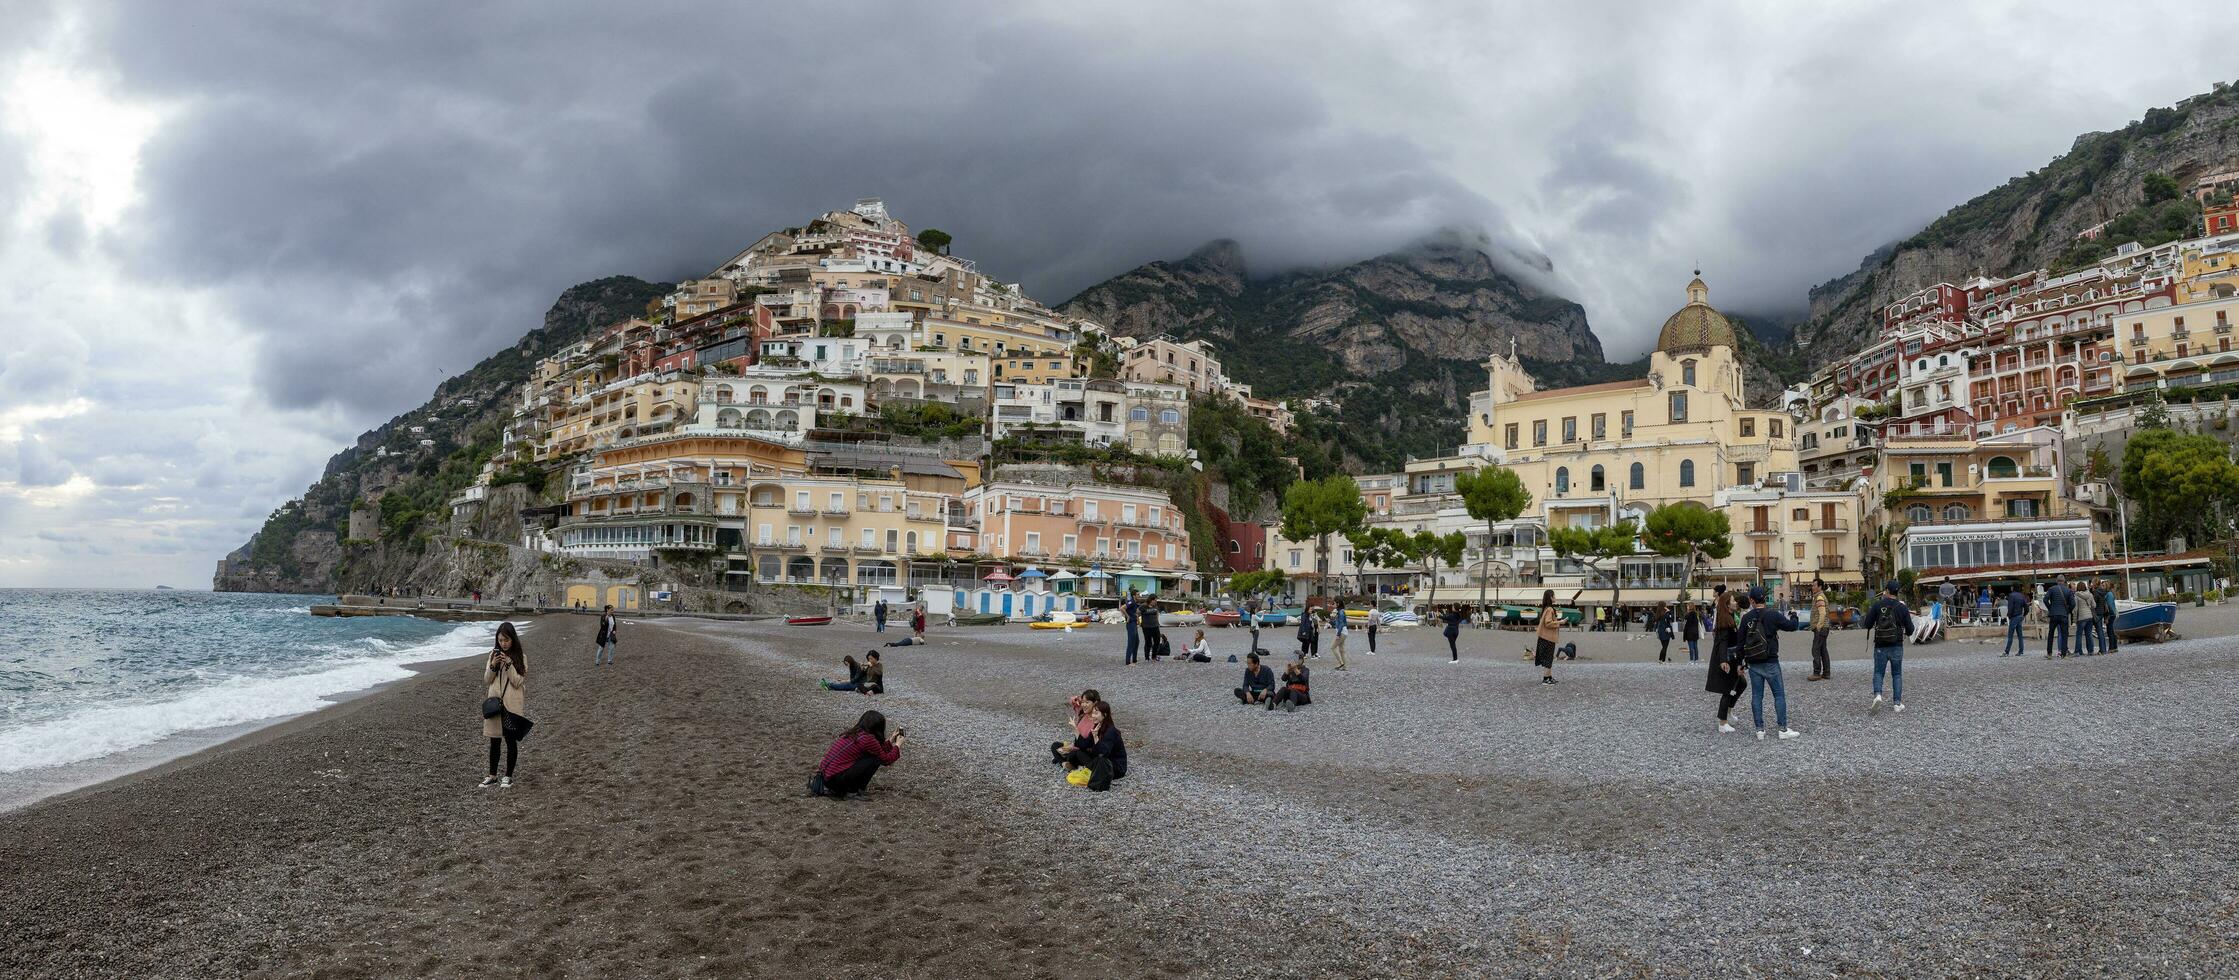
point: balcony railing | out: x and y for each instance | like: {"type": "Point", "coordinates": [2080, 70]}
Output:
{"type": "Point", "coordinates": [1830, 563]}
{"type": "Point", "coordinates": [1838, 524]}
{"type": "Point", "coordinates": [1765, 564]}
{"type": "Point", "coordinates": [1761, 530]}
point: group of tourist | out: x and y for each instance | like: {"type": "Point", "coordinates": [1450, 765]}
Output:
{"type": "Point", "coordinates": [917, 624]}
{"type": "Point", "coordinates": [2081, 608]}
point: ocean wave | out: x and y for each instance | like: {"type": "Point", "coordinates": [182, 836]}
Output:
{"type": "Point", "coordinates": [106, 729]}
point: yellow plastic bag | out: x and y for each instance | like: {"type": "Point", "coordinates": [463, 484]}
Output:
{"type": "Point", "coordinates": [1078, 775]}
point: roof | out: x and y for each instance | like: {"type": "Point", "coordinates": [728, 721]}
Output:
{"type": "Point", "coordinates": [872, 460]}
{"type": "Point", "coordinates": [1583, 389]}
{"type": "Point", "coordinates": [1696, 324]}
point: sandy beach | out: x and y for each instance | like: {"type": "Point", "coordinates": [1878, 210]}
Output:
{"type": "Point", "coordinates": [2023, 817]}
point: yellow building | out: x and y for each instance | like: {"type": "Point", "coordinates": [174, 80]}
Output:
{"type": "Point", "coordinates": [1797, 537]}
{"type": "Point", "coordinates": [1597, 454]}
{"type": "Point", "coordinates": [2209, 270]}
{"type": "Point", "coordinates": [841, 530]}
{"type": "Point", "coordinates": [678, 492]}
{"type": "Point", "coordinates": [592, 417]}
{"type": "Point", "coordinates": [2184, 344]}
{"type": "Point", "coordinates": [1040, 368]}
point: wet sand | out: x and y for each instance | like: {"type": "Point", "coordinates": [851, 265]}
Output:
{"type": "Point", "coordinates": [1421, 819]}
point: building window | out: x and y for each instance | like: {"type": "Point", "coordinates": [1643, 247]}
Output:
{"type": "Point", "coordinates": [1168, 416]}
{"type": "Point", "coordinates": [1748, 427]}
{"type": "Point", "coordinates": [1639, 477]}
{"type": "Point", "coordinates": [1687, 373]}
{"type": "Point", "coordinates": [1601, 427]}
{"type": "Point", "coordinates": [1957, 512]}
{"type": "Point", "coordinates": [1686, 472]}
{"type": "Point", "coordinates": [1138, 415]}
{"type": "Point", "coordinates": [1679, 406]}
{"type": "Point", "coordinates": [1595, 479]}
{"type": "Point", "coordinates": [1511, 435]}
{"type": "Point", "coordinates": [1562, 480]}
{"type": "Point", "coordinates": [1625, 426]}
{"type": "Point", "coordinates": [1777, 428]}
{"type": "Point", "coordinates": [1918, 513]}
{"type": "Point", "coordinates": [1570, 429]}
{"type": "Point", "coordinates": [1745, 474]}
{"type": "Point", "coordinates": [2002, 466]}
{"type": "Point", "coordinates": [2024, 507]}
{"type": "Point", "coordinates": [1539, 432]}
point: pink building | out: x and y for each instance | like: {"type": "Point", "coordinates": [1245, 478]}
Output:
{"type": "Point", "coordinates": [1086, 522]}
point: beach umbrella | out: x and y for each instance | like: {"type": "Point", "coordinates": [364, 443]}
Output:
{"type": "Point", "coordinates": [997, 575]}
{"type": "Point", "coordinates": [1097, 573]}
{"type": "Point", "coordinates": [1063, 576]}
{"type": "Point", "coordinates": [1032, 572]}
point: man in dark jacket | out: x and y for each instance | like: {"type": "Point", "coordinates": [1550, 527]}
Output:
{"type": "Point", "coordinates": [2105, 596]}
{"type": "Point", "coordinates": [1888, 622]}
{"type": "Point", "coordinates": [878, 614]}
{"type": "Point", "coordinates": [1760, 626]}
{"type": "Point", "coordinates": [2017, 613]}
{"type": "Point", "coordinates": [2060, 603]}
{"type": "Point", "coordinates": [1259, 679]}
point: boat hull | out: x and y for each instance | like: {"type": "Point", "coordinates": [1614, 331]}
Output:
{"type": "Point", "coordinates": [808, 620]}
{"type": "Point", "coordinates": [2146, 620]}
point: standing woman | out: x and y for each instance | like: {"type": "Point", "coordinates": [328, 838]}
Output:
{"type": "Point", "coordinates": [1306, 634]}
{"type": "Point", "coordinates": [505, 676]}
{"type": "Point", "coordinates": [1691, 630]}
{"type": "Point", "coordinates": [1374, 619]}
{"type": "Point", "coordinates": [1453, 619]}
{"type": "Point", "coordinates": [1127, 618]}
{"type": "Point", "coordinates": [917, 622]}
{"type": "Point", "coordinates": [609, 637]}
{"type": "Point", "coordinates": [1550, 629]}
{"type": "Point", "coordinates": [1663, 627]}
{"type": "Point", "coordinates": [1728, 679]}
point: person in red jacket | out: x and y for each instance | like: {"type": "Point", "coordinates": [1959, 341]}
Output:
{"type": "Point", "coordinates": [855, 757]}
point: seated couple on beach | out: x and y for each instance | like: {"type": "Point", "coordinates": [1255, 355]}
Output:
{"type": "Point", "coordinates": [868, 677]}
{"type": "Point", "coordinates": [855, 757]}
{"type": "Point", "coordinates": [1098, 754]}
{"type": "Point", "coordinates": [1260, 687]}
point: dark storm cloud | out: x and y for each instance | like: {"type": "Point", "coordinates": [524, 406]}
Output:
{"type": "Point", "coordinates": [388, 193]}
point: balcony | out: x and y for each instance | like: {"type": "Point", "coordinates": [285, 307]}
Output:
{"type": "Point", "coordinates": [835, 512]}
{"type": "Point", "coordinates": [1765, 564]}
{"type": "Point", "coordinates": [1761, 531]}
{"type": "Point", "coordinates": [1828, 527]}
{"type": "Point", "coordinates": [1830, 563]}
{"type": "Point", "coordinates": [927, 518]}
{"type": "Point", "coordinates": [799, 511]}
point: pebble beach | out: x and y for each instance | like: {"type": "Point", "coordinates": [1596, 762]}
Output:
{"type": "Point", "coordinates": [2022, 817]}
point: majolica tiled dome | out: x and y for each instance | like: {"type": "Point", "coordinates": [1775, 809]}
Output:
{"type": "Point", "coordinates": [1696, 325]}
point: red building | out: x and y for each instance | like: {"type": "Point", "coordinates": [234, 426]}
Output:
{"type": "Point", "coordinates": [2221, 220]}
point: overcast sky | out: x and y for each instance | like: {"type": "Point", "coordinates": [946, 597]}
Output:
{"type": "Point", "coordinates": [233, 236]}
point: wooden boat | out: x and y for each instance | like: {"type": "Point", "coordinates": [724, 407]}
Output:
{"type": "Point", "coordinates": [980, 619]}
{"type": "Point", "coordinates": [2146, 620]}
{"type": "Point", "coordinates": [1223, 618]}
{"type": "Point", "coordinates": [808, 620]}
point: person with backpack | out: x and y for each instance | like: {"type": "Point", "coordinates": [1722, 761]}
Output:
{"type": "Point", "coordinates": [2017, 617]}
{"type": "Point", "coordinates": [1890, 622]}
{"type": "Point", "coordinates": [1760, 627]}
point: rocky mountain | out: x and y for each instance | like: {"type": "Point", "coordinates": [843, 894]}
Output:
{"type": "Point", "coordinates": [1397, 338]}
{"type": "Point", "coordinates": [2034, 220]}
{"type": "Point", "coordinates": [400, 496]}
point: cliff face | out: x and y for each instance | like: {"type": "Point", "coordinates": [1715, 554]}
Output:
{"type": "Point", "coordinates": [2033, 221]}
{"type": "Point", "coordinates": [307, 546]}
{"type": "Point", "coordinates": [1398, 339]}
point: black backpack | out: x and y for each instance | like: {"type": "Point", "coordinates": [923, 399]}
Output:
{"type": "Point", "coordinates": [1888, 632]}
{"type": "Point", "coordinates": [1755, 647]}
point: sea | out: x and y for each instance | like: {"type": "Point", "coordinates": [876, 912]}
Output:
{"type": "Point", "coordinates": [96, 683]}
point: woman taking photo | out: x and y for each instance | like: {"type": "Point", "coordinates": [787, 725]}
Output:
{"type": "Point", "coordinates": [855, 757]}
{"type": "Point", "coordinates": [505, 677]}
{"type": "Point", "coordinates": [1102, 741]}
{"type": "Point", "coordinates": [1453, 617]}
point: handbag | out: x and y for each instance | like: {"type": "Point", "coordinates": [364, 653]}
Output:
{"type": "Point", "coordinates": [492, 707]}
{"type": "Point", "coordinates": [516, 727]}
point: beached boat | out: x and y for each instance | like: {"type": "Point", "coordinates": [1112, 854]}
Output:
{"type": "Point", "coordinates": [1061, 621]}
{"type": "Point", "coordinates": [808, 620]}
{"type": "Point", "coordinates": [981, 619]}
{"type": "Point", "coordinates": [2145, 620]}
{"type": "Point", "coordinates": [1222, 618]}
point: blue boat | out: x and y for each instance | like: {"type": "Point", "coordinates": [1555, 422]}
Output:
{"type": "Point", "coordinates": [2145, 620]}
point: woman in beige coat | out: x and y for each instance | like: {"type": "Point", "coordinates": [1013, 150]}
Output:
{"type": "Point", "coordinates": [505, 676]}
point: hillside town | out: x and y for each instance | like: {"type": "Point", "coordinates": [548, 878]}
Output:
{"type": "Point", "coordinates": [847, 405]}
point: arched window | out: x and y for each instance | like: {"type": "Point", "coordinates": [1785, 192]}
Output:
{"type": "Point", "coordinates": [2003, 466]}
{"type": "Point", "coordinates": [1686, 472]}
{"type": "Point", "coordinates": [1138, 415]}
{"type": "Point", "coordinates": [1957, 512]}
{"type": "Point", "coordinates": [1562, 480]}
{"type": "Point", "coordinates": [1918, 513]}
{"type": "Point", "coordinates": [1168, 416]}
{"type": "Point", "coordinates": [1687, 372]}
{"type": "Point", "coordinates": [1640, 477]}
{"type": "Point", "coordinates": [1679, 406]}
{"type": "Point", "coordinates": [1595, 479]}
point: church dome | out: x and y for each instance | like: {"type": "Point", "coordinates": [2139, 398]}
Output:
{"type": "Point", "coordinates": [1696, 325]}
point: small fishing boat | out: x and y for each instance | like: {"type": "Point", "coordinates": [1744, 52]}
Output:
{"type": "Point", "coordinates": [2145, 620]}
{"type": "Point", "coordinates": [808, 620]}
{"type": "Point", "coordinates": [1222, 618]}
{"type": "Point", "coordinates": [980, 619]}
{"type": "Point", "coordinates": [1060, 621]}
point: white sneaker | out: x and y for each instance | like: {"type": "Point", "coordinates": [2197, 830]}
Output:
{"type": "Point", "coordinates": [506, 783]}
{"type": "Point", "coordinates": [1726, 729]}
{"type": "Point", "coordinates": [1787, 734]}
{"type": "Point", "coordinates": [1876, 706]}
{"type": "Point", "coordinates": [1900, 707]}
{"type": "Point", "coordinates": [1760, 734]}
{"type": "Point", "coordinates": [487, 781]}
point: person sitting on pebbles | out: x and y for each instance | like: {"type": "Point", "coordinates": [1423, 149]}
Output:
{"type": "Point", "coordinates": [1199, 651]}
{"type": "Point", "coordinates": [855, 757]}
{"type": "Point", "coordinates": [868, 677]}
{"type": "Point", "coordinates": [1293, 693]}
{"type": "Point", "coordinates": [1100, 749]}
{"type": "Point", "coordinates": [1259, 681]}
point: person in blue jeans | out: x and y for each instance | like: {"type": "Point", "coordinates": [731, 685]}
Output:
{"type": "Point", "coordinates": [1691, 630]}
{"type": "Point", "coordinates": [1889, 622]}
{"type": "Point", "coordinates": [1127, 618]}
{"type": "Point", "coordinates": [1760, 627]}
{"type": "Point", "coordinates": [2017, 614]}
{"type": "Point", "coordinates": [2104, 595]}
{"type": "Point", "coordinates": [2060, 603]}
